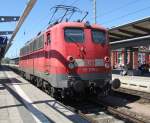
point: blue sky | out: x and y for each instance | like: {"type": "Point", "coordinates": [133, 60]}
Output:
{"type": "Point", "coordinates": [109, 13]}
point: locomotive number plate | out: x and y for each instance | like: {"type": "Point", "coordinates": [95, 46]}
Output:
{"type": "Point", "coordinates": [89, 62]}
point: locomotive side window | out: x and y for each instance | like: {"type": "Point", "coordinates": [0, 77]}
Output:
{"type": "Point", "coordinates": [21, 53]}
{"type": "Point", "coordinates": [41, 42]}
{"type": "Point", "coordinates": [48, 38]}
{"type": "Point", "coordinates": [98, 36]}
{"type": "Point", "coordinates": [31, 46]}
{"type": "Point", "coordinates": [35, 45]}
{"type": "Point", "coordinates": [74, 35]}
{"type": "Point", "coordinates": [27, 49]}
{"type": "Point", "coordinates": [24, 51]}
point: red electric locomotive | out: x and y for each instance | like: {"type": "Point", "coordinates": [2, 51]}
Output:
{"type": "Point", "coordinates": [68, 59]}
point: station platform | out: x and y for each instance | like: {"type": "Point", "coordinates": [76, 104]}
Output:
{"type": "Point", "coordinates": [139, 83]}
{"type": "Point", "coordinates": [21, 102]}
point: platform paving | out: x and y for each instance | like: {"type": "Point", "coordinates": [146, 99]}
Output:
{"type": "Point", "coordinates": [140, 83]}
{"type": "Point", "coordinates": [21, 102]}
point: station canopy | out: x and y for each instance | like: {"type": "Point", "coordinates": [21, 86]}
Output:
{"type": "Point", "coordinates": [5, 43]}
{"type": "Point", "coordinates": [4, 34]}
{"type": "Point", "coordinates": [133, 34]}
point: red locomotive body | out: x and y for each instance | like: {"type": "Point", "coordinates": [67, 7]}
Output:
{"type": "Point", "coordinates": [69, 58]}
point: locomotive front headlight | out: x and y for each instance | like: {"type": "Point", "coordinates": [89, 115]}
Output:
{"type": "Point", "coordinates": [107, 65]}
{"type": "Point", "coordinates": [107, 59]}
{"type": "Point", "coordinates": [70, 59]}
{"type": "Point", "coordinates": [71, 65]}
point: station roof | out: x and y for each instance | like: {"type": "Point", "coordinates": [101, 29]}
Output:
{"type": "Point", "coordinates": [4, 48]}
{"type": "Point", "coordinates": [3, 34]}
{"type": "Point", "coordinates": [136, 33]}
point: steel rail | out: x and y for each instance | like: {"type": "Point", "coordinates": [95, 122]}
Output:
{"type": "Point", "coordinates": [125, 115]}
{"type": "Point", "coordinates": [119, 113]}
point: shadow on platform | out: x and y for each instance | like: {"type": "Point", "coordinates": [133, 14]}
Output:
{"type": "Point", "coordinates": [7, 84]}
{"type": "Point", "coordinates": [2, 68]}
{"type": "Point", "coordinates": [131, 73]}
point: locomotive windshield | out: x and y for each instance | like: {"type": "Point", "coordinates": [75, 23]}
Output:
{"type": "Point", "coordinates": [98, 36]}
{"type": "Point", "coordinates": [74, 35]}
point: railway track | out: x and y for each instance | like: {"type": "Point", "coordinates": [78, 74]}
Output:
{"type": "Point", "coordinates": [100, 112]}
{"type": "Point", "coordinates": [121, 114]}
{"type": "Point", "coordinates": [93, 112]}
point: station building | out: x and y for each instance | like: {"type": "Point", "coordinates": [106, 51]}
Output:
{"type": "Point", "coordinates": [134, 57]}
{"type": "Point", "coordinates": [130, 44]}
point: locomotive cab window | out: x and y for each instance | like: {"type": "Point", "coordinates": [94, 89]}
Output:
{"type": "Point", "coordinates": [74, 35]}
{"type": "Point", "coordinates": [98, 36]}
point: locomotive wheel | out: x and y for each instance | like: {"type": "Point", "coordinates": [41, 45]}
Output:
{"type": "Point", "coordinates": [55, 94]}
{"type": "Point", "coordinates": [34, 81]}
{"type": "Point", "coordinates": [21, 73]}
{"type": "Point", "coordinates": [45, 87]}
{"type": "Point", "coordinates": [39, 83]}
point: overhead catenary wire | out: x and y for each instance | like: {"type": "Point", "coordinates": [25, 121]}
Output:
{"type": "Point", "coordinates": [126, 15]}
{"type": "Point", "coordinates": [119, 8]}
{"type": "Point", "coordinates": [62, 1]}
{"type": "Point", "coordinates": [74, 2]}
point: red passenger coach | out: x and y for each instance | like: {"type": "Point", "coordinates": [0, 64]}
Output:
{"type": "Point", "coordinates": [69, 59]}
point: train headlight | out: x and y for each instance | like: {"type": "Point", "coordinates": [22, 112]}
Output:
{"type": "Point", "coordinates": [71, 65]}
{"type": "Point", "coordinates": [107, 65]}
{"type": "Point", "coordinates": [70, 59]}
{"type": "Point", "coordinates": [107, 59]}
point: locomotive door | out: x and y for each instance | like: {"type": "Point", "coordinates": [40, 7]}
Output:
{"type": "Point", "coordinates": [48, 47]}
